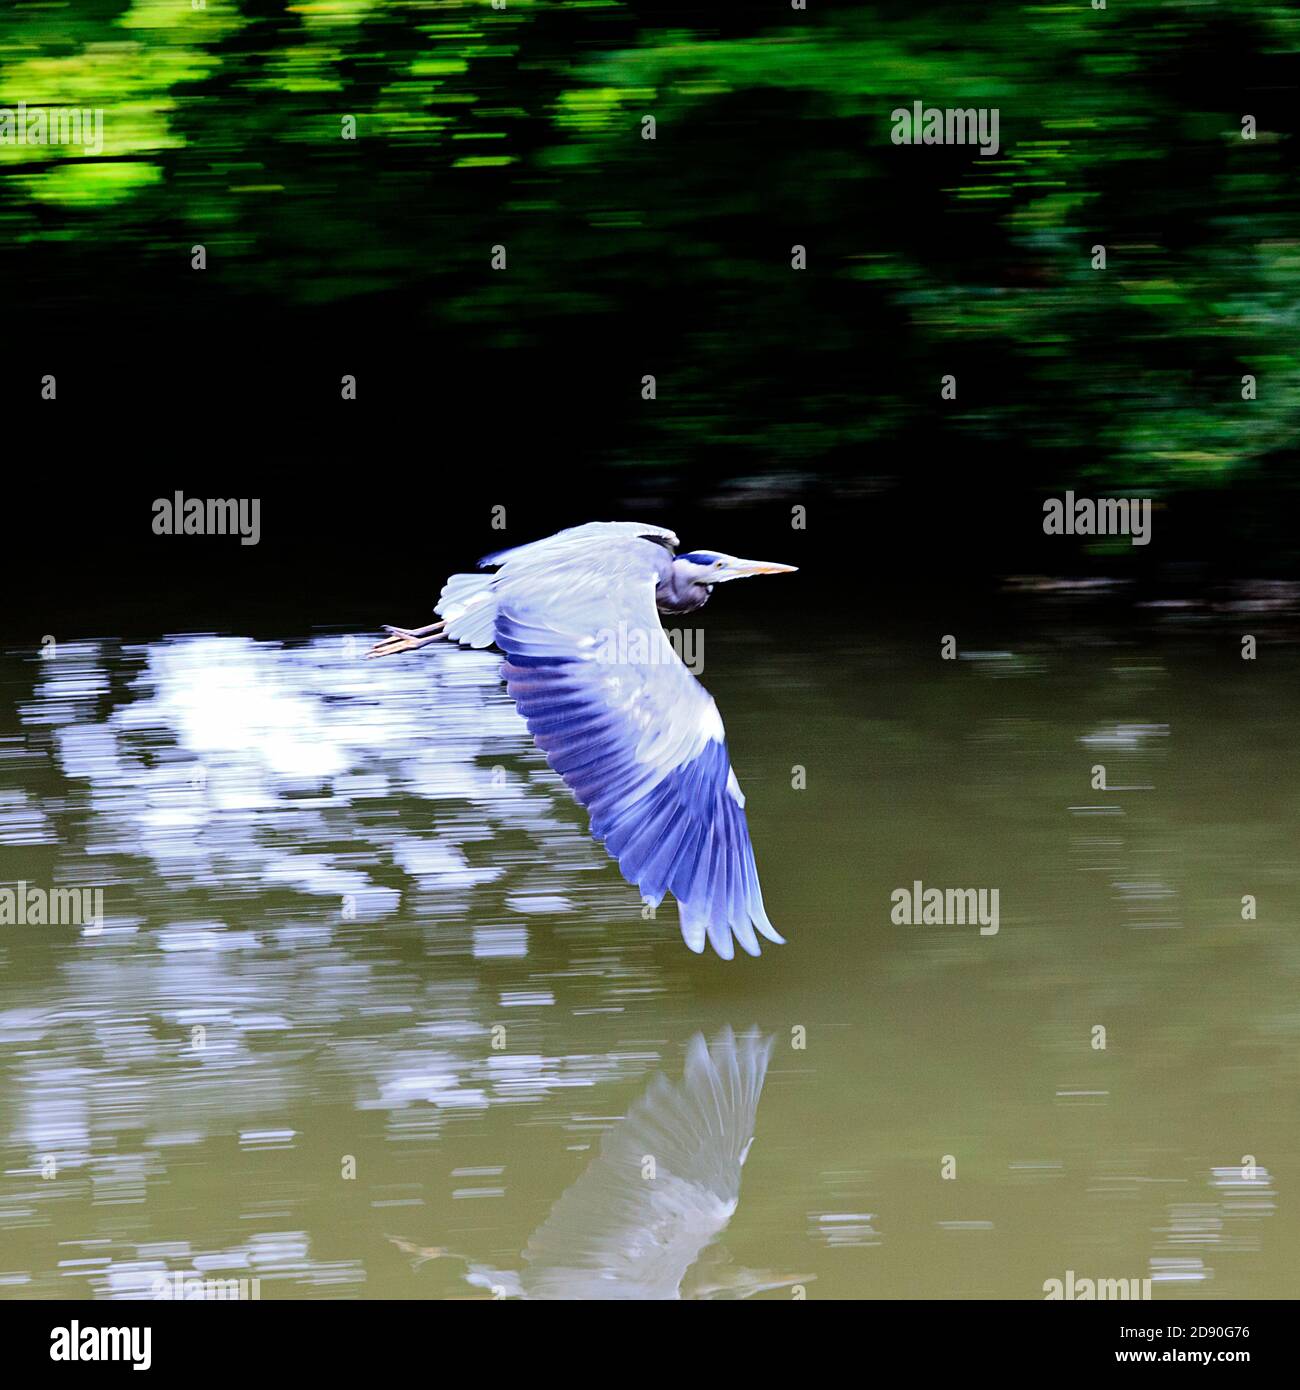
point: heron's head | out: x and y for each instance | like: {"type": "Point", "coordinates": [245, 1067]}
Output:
{"type": "Point", "coordinates": [696, 572]}
{"type": "Point", "coordinates": [713, 567]}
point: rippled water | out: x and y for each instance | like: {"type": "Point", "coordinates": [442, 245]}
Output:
{"type": "Point", "coordinates": [366, 1000]}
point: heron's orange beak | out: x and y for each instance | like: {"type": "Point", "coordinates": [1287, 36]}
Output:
{"type": "Point", "coordinates": [744, 568]}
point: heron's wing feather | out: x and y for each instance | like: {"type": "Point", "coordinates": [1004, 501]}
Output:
{"type": "Point", "coordinates": [468, 606]}
{"type": "Point", "coordinates": [664, 1185]}
{"type": "Point", "coordinates": [634, 735]}
{"type": "Point", "coordinates": [468, 601]}
{"type": "Point", "coordinates": [577, 538]}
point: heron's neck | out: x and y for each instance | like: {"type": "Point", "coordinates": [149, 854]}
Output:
{"type": "Point", "coordinates": [673, 597]}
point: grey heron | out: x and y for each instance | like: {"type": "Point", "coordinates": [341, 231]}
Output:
{"type": "Point", "coordinates": [606, 697]}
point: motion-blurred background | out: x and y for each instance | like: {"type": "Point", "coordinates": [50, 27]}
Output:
{"type": "Point", "coordinates": [522, 128]}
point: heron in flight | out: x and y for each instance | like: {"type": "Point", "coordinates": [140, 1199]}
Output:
{"type": "Point", "coordinates": [637, 739]}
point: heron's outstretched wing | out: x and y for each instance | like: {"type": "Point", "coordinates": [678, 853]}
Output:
{"type": "Point", "coordinates": [635, 736]}
{"type": "Point", "coordinates": [577, 539]}
{"type": "Point", "coordinates": [664, 1185]}
{"type": "Point", "coordinates": [468, 602]}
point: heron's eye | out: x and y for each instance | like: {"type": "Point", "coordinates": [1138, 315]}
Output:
{"type": "Point", "coordinates": [717, 563]}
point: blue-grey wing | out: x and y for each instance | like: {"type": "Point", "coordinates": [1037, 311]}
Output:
{"type": "Point", "coordinates": [634, 735]}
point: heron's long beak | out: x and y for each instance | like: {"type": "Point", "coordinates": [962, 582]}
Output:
{"type": "Point", "coordinates": [742, 569]}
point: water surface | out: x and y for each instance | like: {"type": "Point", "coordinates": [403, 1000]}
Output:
{"type": "Point", "coordinates": [408, 961]}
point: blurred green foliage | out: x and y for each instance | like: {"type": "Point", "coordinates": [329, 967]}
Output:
{"type": "Point", "coordinates": [522, 127]}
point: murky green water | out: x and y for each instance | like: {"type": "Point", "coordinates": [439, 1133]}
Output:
{"type": "Point", "coordinates": [407, 960]}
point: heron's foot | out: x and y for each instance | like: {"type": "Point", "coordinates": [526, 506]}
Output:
{"type": "Point", "coordinates": [420, 1254]}
{"type": "Point", "coordinates": [401, 639]}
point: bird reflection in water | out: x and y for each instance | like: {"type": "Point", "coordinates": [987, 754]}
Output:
{"type": "Point", "coordinates": [642, 1221]}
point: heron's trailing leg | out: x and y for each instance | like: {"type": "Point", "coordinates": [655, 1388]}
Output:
{"type": "Point", "coordinates": [401, 639]}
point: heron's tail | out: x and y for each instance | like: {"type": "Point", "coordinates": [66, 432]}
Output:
{"type": "Point", "coordinates": [468, 603]}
